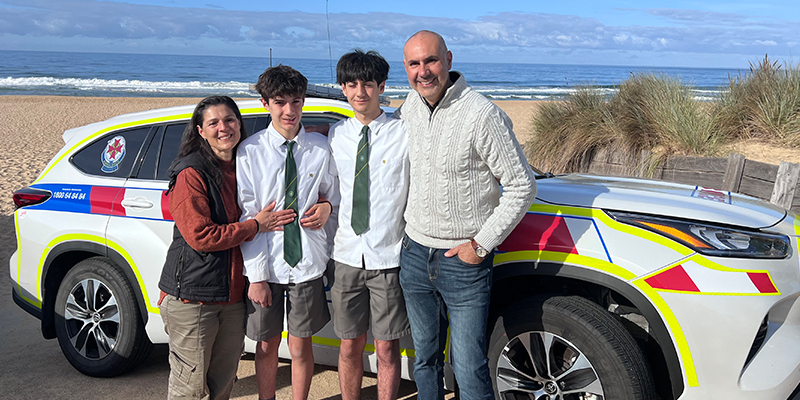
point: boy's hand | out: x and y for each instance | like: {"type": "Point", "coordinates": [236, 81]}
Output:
{"type": "Point", "coordinates": [269, 220]}
{"type": "Point", "coordinates": [260, 293]}
{"type": "Point", "coordinates": [316, 216]}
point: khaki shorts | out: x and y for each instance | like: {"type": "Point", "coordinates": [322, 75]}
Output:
{"type": "Point", "coordinates": [360, 296]}
{"type": "Point", "coordinates": [304, 305]}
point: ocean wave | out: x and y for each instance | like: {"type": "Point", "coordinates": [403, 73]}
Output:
{"type": "Point", "coordinates": [126, 85]}
{"type": "Point", "coordinates": [134, 87]}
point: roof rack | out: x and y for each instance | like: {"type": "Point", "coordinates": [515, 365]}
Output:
{"type": "Point", "coordinates": [328, 92]}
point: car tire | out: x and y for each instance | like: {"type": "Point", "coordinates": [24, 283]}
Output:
{"type": "Point", "coordinates": [588, 353]}
{"type": "Point", "coordinates": [101, 335]}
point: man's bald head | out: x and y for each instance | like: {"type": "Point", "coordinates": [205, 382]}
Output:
{"type": "Point", "coordinates": [428, 35]}
{"type": "Point", "coordinates": [427, 62]}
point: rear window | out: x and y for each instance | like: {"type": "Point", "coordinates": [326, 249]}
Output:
{"type": "Point", "coordinates": [113, 155]}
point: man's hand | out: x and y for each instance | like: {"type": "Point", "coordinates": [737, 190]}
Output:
{"type": "Point", "coordinates": [465, 252]}
{"type": "Point", "coordinates": [260, 293]}
{"type": "Point", "coordinates": [316, 216]}
{"type": "Point", "coordinates": [269, 220]}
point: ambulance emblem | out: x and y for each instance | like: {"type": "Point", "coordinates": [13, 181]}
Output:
{"type": "Point", "coordinates": [113, 154]}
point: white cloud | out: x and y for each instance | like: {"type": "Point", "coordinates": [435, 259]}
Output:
{"type": "Point", "coordinates": [129, 25]}
{"type": "Point", "coordinates": [767, 42]}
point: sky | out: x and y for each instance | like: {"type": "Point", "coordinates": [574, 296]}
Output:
{"type": "Point", "coordinates": [708, 33]}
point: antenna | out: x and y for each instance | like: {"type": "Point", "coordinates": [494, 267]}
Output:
{"type": "Point", "coordinates": [330, 54]}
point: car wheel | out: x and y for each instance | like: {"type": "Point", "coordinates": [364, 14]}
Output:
{"type": "Point", "coordinates": [98, 323]}
{"type": "Point", "coordinates": [565, 347]}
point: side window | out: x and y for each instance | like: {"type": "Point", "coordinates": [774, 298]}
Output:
{"type": "Point", "coordinates": [312, 123]}
{"type": "Point", "coordinates": [169, 149]}
{"type": "Point", "coordinates": [249, 124]}
{"type": "Point", "coordinates": [113, 155]}
{"type": "Point", "coordinates": [255, 123]}
{"type": "Point", "coordinates": [148, 168]}
{"type": "Point", "coordinates": [261, 124]}
{"type": "Point", "coordinates": [319, 123]}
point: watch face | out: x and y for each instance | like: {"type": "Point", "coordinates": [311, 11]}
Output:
{"type": "Point", "coordinates": [481, 252]}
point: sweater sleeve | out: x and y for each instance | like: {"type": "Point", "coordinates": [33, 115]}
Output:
{"type": "Point", "coordinates": [189, 206]}
{"type": "Point", "coordinates": [498, 147]}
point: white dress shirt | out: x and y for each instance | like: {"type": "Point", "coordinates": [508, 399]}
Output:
{"type": "Point", "coordinates": [388, 190]}
{"type": "Point", "coordinates": [260, 164]}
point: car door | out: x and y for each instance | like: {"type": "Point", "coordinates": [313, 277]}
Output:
{"type": "Point", "coordinates": [142, 230]}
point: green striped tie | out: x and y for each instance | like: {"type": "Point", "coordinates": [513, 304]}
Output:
{"type": "Point", "coordinates": [292, 248]}
{"type": "Point", "coordinates": [360, 219]}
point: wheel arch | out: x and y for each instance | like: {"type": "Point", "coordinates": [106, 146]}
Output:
{"type": "Point", "coordinates": [60, 259]}
{"type": "Point", "coordinates": [544, 277]}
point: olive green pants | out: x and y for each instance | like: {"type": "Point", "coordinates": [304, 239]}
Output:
{"type": "Point", "coordinates": [205, 344]}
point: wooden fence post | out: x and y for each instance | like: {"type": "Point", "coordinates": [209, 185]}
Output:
{"type": "Point", "coordinates": [785, 184]}
{"type": "Point", "coordinates": [733, 173]}
{"type": "Point", "coordinates": [644, 169]}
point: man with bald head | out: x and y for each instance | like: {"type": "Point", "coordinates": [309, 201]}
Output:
{"type": "Point", "coordinates": [462, 149]}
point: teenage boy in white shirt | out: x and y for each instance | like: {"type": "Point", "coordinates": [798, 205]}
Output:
{"type": "Point", "coordinates": [370, 157]}
{"type": "Point", "coordinates": [287, 165]}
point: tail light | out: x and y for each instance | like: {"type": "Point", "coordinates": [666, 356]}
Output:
{"type": "Point", "coordinates": [29, 197]}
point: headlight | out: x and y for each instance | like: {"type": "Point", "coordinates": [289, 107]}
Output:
{"type": "Point", "coordinates": [709, 239]}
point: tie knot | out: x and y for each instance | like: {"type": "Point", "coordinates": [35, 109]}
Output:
{"type": "Point", "coordinates": [364, 130]}
{"type": "Point", "coordinates": [290, 144]}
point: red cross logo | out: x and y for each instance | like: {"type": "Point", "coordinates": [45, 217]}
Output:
{"type": "Point", "coordinates": [114, 149]}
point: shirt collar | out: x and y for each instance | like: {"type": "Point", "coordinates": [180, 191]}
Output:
{"type": "Point", "coordinates": [376, 123]}
{"type": "Point", "coordinates": [277, 140]}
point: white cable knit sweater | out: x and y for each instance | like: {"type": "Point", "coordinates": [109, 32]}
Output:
{"type": "Point", "coordinates": [458, 154]}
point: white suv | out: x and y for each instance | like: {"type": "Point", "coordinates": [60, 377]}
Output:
{"type": "Point", "coordinates": [609, 288]}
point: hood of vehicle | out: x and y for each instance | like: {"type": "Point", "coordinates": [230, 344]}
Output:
{"type": "Point", "coordinates": [659, 198]}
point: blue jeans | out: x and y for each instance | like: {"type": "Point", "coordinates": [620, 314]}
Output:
{"type": "Point", "coordinates": [433, 286]}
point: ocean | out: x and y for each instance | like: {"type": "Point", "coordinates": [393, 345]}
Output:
{"type": "Point", "coordinates": [152, 75]}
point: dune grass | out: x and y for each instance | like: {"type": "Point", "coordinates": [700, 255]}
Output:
{"type": "Point", "coordinates": [763, 103]}
{"type": "Point", "coordinates": [659, 113]}
{"type": "Point", "coordinates": [650, 112]}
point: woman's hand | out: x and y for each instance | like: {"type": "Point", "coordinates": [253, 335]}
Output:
{"type": "Point", "coordinates": [316, 216]}
{"type": "Point", "coordinates": [269, 220]}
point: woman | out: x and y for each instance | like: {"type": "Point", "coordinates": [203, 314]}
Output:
{"type": "Point", "coordinates": [202, 281]}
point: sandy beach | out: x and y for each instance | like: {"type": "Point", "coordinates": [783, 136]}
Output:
{"type": "Point", "coordinates": [34, 125]}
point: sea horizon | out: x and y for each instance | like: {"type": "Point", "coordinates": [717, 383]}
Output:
{"type": "Point", "coordinates": [98, 74]}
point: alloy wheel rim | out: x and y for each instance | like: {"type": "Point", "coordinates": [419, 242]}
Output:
{"type": "Point", "coordinates": [91, 317]}
{"type": "Point", "coordinates": [545, 366]}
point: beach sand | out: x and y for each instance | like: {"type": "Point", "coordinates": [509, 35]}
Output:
{"type": "Point", "coordinates": [34, 125]}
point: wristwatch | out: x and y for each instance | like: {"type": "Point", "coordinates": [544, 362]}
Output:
{"type": "Point", "coordinates": [480, 251]}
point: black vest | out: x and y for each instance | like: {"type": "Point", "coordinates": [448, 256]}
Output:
{"type": "Point", "coordinates": [197, 275]}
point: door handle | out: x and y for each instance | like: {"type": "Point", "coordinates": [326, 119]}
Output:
{"type": "Point", "coordinates": [137, 202]}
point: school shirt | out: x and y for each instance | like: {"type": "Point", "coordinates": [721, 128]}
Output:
{"type": "Point", "coordinates": [260, 164]}
{"type": "Point", "coordinates": [380, 244]}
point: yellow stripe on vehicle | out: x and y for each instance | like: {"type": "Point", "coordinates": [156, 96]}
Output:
{"type": "Point", "coordinates": [85, 237]}
{"type": "Point", "coordinates": [338, 343]}
{"type": "Point", "coordinates": [568, 258]}
{"type": "Point", "coordinates": [797, 239]}
{"type": "Point", "coordinates": [605, 266]}
{"type": "Point", "coordinates": [110, 128]}
{"type": "Point", "coordinates": [678, 336]}
{"type": "Point", "coordinates": [601, 216]}
{"type": "Point", "coordinates": [676, 330]}
{"type": "Point", "coordinates": [177, 117]}
{"type": "Point", "coordinates": [35, 302]}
